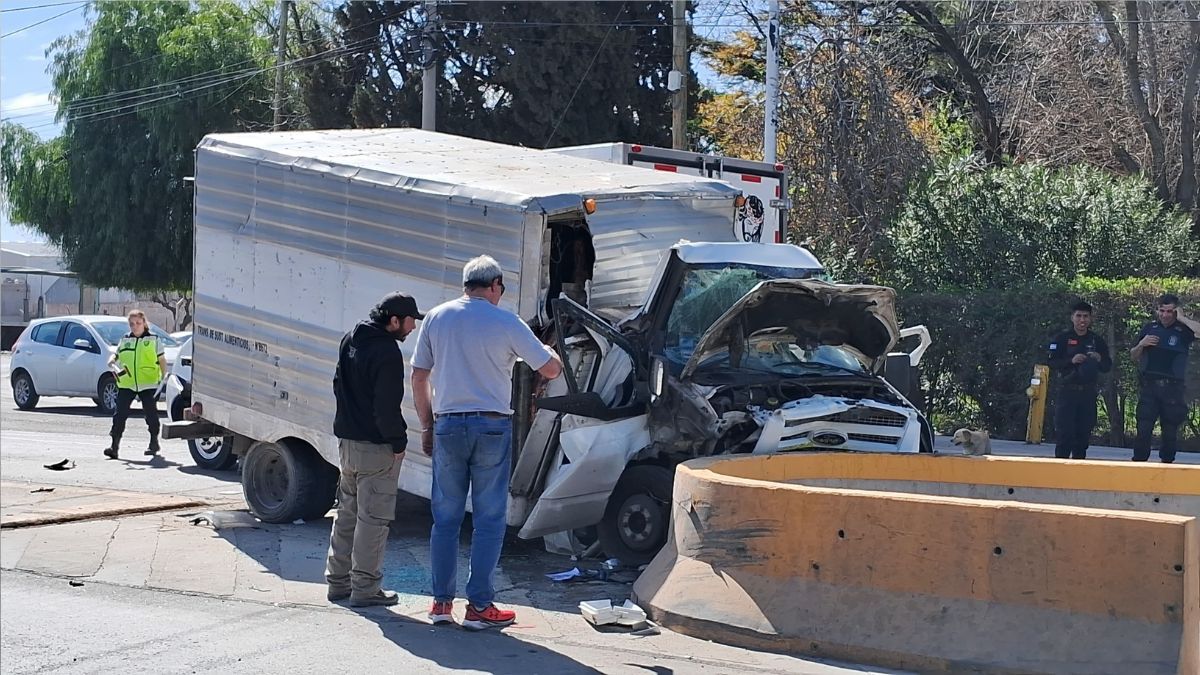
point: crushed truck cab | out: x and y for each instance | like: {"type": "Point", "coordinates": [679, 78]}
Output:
{"type": "Point", "coordinates": [738, 348]}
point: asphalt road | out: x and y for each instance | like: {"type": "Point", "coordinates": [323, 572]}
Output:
{"type": "Point", "coordinates": [73, 428]}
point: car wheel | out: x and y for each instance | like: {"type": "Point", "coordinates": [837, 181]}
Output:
{"type": "Point", "coordinates": [286, 481]}
{"type": "Point", "coordinates": [23, 392]}
{"type": "Point", "coordinates": [638, 514]}
{"type": "Point", "coordinates": [106, 394]}
{"type": "Point", "coordinates": [214, 453]}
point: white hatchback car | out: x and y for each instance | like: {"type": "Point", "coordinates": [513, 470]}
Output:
{"type": "Point", "coordinates": [68, 356]}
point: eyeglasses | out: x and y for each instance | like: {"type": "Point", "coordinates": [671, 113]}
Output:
{"type": "Point", "coordinates": [501, 282]}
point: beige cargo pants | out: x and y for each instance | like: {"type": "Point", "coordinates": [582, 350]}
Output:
{"type": "Point", "coordinates": [366, 506]}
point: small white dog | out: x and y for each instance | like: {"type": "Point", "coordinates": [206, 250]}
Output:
{"type": "Point", "coordinates": [973, 442]}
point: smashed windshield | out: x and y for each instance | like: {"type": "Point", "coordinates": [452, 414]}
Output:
{"type": "Point", "coordinates": [707, 291]}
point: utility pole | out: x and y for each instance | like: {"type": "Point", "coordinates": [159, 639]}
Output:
{"type": "Point", "coordinates": [429, 79]}
{"type": "Point", "coordinates": [280, 56]}
{"type": "Point", "coordinates": [679, 64]}
{"type": "Point", "coordinates": [770, 120]}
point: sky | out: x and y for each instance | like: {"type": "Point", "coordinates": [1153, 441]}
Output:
{"type": "Point", "coordinates": [28, 27]}
{"type": "Point", "coordinates": [24, 83]}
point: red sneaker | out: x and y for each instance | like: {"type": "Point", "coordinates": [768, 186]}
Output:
{"type": "Point", "coordinates": [442, 612]}
{"type": "Point", "coordinates": [488, 617]}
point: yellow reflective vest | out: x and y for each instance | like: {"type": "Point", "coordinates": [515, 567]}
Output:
{"type": "Point", "coordinates": [138, 357]}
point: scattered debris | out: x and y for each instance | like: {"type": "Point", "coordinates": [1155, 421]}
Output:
{"type": "Point", "coordinates": [41, 489]}
{"type": "Point", "coordinates": [650, 629]}
{"type": "Point", "coordinates": [220, 520]}
{"type": "Point", "coordinates": [612, 564]}
{"type": "Point", "coordinates": [570, 574]}
{"type": "Point", "coordinates": [603, 612]}
{"type": "Point", "coordinates": [75, 583]}
{"type": "Point", "coordinates": [60, 466]}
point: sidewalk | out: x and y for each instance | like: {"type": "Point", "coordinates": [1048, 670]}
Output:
{"type": "Point", "coordinates": [283, 566]}
{"type": "Point", "coordinates": [24, 504]}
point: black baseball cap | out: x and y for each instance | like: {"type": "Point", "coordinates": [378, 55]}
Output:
{"type": "Point", "coordinates": [398, 304]}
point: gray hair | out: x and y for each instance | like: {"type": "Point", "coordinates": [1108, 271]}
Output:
{"type": "Point", "coordinates": [481, 271]}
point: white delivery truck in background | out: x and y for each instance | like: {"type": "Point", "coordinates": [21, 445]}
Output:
{"type": "Point", "coordinates": [761, 218]}
{"type": "Point", "coordinates": [298, 234]}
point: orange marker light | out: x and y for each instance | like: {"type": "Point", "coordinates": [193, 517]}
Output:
{"type": "Point", "coordinates": [589, 206]}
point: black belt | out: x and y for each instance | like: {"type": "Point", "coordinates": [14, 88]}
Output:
{"type": "Point", "coordinates": [487, 414]}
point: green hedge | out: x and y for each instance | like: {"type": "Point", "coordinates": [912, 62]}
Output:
{"type": "Point", "coordinates": [986, 342]}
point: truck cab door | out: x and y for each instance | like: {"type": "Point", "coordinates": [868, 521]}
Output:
{"type": "Point", "coordinates": [591, 431]}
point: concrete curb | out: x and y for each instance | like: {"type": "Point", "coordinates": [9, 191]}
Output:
{"type": "Point", "coordinates": [53, 519]}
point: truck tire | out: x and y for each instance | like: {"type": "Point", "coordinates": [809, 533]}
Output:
{"type": "Point", "coordinates": [285, 481]}
{"type": "Point", "coordinates": [638, 515]}
{"type": "Point", "coordinates": [214, 453]}
{"type": "Point", "coordinates": [23, 392]}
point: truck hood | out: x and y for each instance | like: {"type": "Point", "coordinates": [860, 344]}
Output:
{"type": "Point", "coordinates": [862, 318]}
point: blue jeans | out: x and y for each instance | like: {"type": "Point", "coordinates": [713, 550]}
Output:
{"type": "Point", "coordinates": [469, 452]}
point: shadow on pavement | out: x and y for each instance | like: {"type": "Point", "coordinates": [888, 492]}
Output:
{"type": "Point", "coordinates": [489, 651]}
{"type": "Point", "coordinates": [228, 475]}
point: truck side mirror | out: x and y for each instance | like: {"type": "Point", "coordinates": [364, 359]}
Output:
{"type": "Point", "coordinates": [657, 379]}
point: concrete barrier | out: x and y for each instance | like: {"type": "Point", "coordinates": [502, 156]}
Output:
{"type": "Point", "coordinates": [757, 558]}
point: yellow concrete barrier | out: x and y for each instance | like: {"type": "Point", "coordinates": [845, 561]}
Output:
{"type": "Point", "coordinates": [930, 582]}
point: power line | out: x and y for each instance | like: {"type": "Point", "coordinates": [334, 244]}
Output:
{"type": "Point", "coordinates": [38, 23]}
{"type": "Point", "coordinates": [583, 79]}
{"type": "Point", "coordinates": [181, 96]}
{"type": "Point", "coordinates": [52, 4]}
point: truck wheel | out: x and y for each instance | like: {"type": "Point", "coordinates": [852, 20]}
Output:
{"type": "Point", "coordinates": [106, 394]}
{"type": "Point", "coordinates": [285, 481]}
{"type": "Point", "coordinates": [638, 514]}
{"type": "Point", "coordinates": [214, 453]}
{"type": "Point", "coordinates": [23, 392]}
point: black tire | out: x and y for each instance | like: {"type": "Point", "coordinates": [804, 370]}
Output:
{"type": "Point", "coordinates": [214, 453]}
{"type": "Point", "coordinates": [24, 392]}
{"type": "Point", "coordinates": [638, 516]}
{"type": "Point", "coordinates": [283, 482]}
{"type": "Point", "coordinates": [106, 394]}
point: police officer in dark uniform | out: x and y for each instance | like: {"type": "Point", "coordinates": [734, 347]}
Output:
{"type": "Point", "coordinates": [1161, 357]}
{"type": "Point", "coordinates": [1077, 357]}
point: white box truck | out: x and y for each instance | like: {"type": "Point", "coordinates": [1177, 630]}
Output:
{"type": "Point", "coordinates": [761, 218]}
{"type": "Point", "coordinates": [672, 350]}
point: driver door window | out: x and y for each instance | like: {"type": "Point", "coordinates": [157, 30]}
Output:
{"type": "Point", "coordinates": [79, 371]}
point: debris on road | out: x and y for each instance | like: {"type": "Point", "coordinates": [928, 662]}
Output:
{"type": "Point", "coordinates": [220, 520]}
{"type": "Point", "coordinates": [603, 612]}
{"type": "Point", "coordinates": [75, 583]}
{"type": "Point", "coordinates": [41, 489]}
{"type": "Point", "coordinates": [570, 574]}
{"type": "Point", "coordinates": [60, 466]}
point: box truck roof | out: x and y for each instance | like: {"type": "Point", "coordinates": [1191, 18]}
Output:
{"type": "Point", "coordinates": [443, 164]}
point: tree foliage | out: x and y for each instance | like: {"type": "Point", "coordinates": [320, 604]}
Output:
{"type": "Point", "coordinates": [528, 73]}
{"type": "Point", "coordinates": [110, 192]}
{"type": "Point", "coordinates": [974, 229]}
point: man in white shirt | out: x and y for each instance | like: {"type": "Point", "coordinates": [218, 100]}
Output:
{"type": "Point", "coordinates": [466, 350]}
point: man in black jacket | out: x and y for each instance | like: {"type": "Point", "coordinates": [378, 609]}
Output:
{"type": "Point", "coordinates": [372, 437]}
{"type": "Point", "coordinates": [1077, 357]}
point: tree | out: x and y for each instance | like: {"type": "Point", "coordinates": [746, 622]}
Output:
{"type": "Point", "coordinates": [965, 228]}
{"type": "Point", "coordinates": [528, 73]}
{"type": "Point", "coordinates": [137, 90]}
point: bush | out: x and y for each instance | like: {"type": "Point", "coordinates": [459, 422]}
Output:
{"type": "Point", "coordinates": [965, 228]}
{"type": "Point", "coordinates": [985, 343]}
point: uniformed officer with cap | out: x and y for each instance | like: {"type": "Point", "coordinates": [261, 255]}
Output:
{"type": "Point", "coordinates": [1077, 357]}
{"type": "Point", "coordinates": [1161, 357]}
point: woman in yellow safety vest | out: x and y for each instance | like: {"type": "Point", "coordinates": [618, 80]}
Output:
{"type": "Point", "coordinates": [140, 368]}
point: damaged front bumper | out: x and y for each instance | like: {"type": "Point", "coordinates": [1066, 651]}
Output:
{"type": "Point", "coordinates": [836, 423]}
